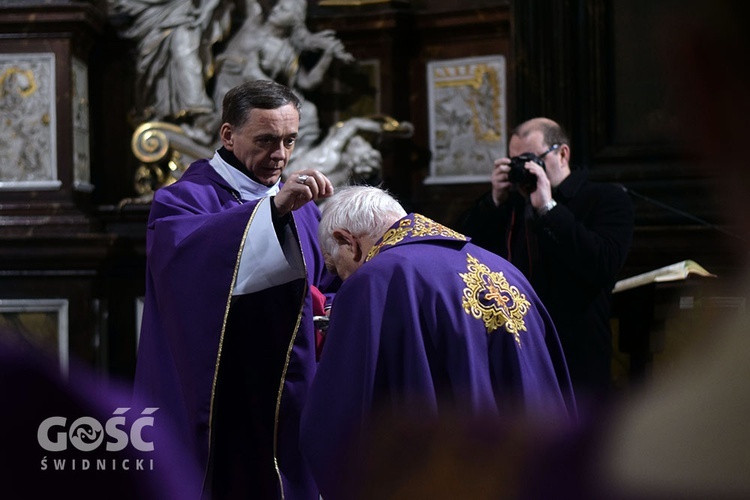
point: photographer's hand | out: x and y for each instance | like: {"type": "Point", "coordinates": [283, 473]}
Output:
{"type": "Point", "coordinates": [499, 180]}
{"type": "Point", "coordinates": [543, 192]}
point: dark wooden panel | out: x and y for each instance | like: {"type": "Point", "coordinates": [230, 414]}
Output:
{"type": "Point", "coordinates": [452, 35]}
{"type": "Point", "coordinates": [404, 39]}
{"type": "Point", "coordinates": [384, 36]}
{"type": "Point", "coordinates": [54, 244]}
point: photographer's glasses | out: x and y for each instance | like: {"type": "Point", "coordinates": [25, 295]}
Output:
{"type": "Point", "coordinates": [551, 148]}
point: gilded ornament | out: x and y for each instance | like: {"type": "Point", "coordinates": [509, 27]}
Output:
{"type": "Point", "coordinates": [488, 296]}
{"type": "Point", "coordinates": [418, 227]}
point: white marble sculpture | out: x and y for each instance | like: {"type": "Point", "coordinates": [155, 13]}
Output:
{"type": "Point", "coordinates": [177, 64]}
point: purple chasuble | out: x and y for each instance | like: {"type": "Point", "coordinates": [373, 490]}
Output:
{"type": "Point", "coordinates": [232, 373]}
{"type": "Point", "coordinates": [430, 324]}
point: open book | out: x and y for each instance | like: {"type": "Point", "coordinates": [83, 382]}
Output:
{"type": "Point", "coordinates": [674, 272]}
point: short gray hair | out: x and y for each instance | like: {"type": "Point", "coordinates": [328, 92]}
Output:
{"type": "Point", "coordinates": [361, 210]}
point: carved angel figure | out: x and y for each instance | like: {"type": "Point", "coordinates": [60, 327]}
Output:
{"type": "Point", "coordinates": [271, 50]}
{"type": "Point", "coordinates": [175, 39]}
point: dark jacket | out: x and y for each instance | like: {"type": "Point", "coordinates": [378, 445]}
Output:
{"type": "Point", "coordinates": [572, 256]}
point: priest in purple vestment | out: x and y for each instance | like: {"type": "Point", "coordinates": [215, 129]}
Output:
{"type": "Point", "coordinates": [425, 325]}
{"type": "Point", "coordinates": [227, 345]}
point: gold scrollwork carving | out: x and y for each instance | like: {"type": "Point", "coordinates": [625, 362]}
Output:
{"type": "Point", "coordinates": [160, 161]}
{"type": "Point", "coordinates": [150, 143]}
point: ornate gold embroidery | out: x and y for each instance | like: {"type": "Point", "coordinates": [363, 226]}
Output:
{"type": "Point", "coordinates": [420, 226]}
{"type": "Point", "coordinates": [488, 296]}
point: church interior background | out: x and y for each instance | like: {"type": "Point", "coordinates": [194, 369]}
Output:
{"type": "Point", "coordinates": [100, 107]}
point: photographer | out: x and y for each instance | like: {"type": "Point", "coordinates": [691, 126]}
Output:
{"type": "Point", "coordinates": [568, 235]}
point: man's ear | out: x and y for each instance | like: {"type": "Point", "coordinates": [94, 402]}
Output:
{"type": "Point", "coordinates": [227, 136]}
{"type": "Point", "coordinates": [565, 153]}
{"type": "Point", "coordinates": [341, 236]}
{"type": "Point", "coordinates": [344, 237]}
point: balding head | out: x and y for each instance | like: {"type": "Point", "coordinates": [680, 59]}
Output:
{"type": "Point", "coordinates": [552, 132]}
{"type": "Point", "coordinates": [546, 139]}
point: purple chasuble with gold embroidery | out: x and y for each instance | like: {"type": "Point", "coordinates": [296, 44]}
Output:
{"type": "Point", "coordinates": [430, 324]}
{"type": "Point", "coordinates": [230, 372]}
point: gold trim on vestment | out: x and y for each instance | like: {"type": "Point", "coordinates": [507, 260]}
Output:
{"type": "Point", "coordinates": [416, 227]}
{"type": "Point", "coordinates": [286, 362]}
{"type": "Point", "coordinates": [221, 336]}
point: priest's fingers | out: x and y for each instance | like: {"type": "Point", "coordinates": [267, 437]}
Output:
{"type": "Point", "coordinates": [318, 184]}
{"type": "Point", "coordinates": [293, 194]}
{"type": "Point", "coordinates": [300, 188]}
{"type": "Point", "coordinates": [325, 187]}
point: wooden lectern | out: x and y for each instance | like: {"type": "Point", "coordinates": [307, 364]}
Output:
{"type": "Point", "coordinates": [658, 314]}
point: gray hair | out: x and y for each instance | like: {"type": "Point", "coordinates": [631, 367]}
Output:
{"type": "Point", "coordinates": [362, 210]}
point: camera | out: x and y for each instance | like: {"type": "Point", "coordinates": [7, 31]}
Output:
{"type": "Point", "coordinates": [519, 175]}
